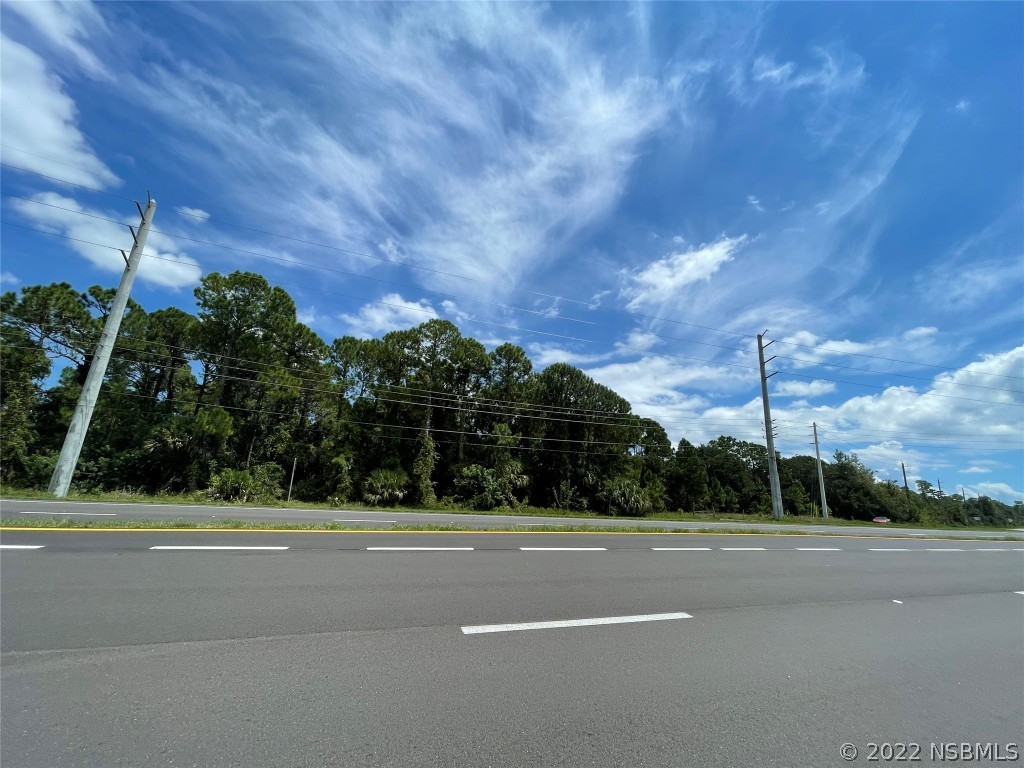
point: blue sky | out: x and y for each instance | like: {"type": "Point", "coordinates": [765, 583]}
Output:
{"type": "Point", "coordinates": [681, 176]}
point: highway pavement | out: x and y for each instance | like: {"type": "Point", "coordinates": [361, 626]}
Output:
{"type": "Point", "coordinates": [113, 511]}
{"type": "Point", "coordinates": [227, 648]}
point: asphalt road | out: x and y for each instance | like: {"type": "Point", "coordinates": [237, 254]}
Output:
{"type": "Point", "coordinates": [328, 651]}
{"type": "Point", "coordinates": [14, 508]}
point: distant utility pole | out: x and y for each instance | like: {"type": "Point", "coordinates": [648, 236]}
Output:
{"type": "Point", "coordinates": [773, 469]}
{"type": "Point", "coordinates": [963, 493]}
{"type": "Point", "coordinates": [821, 477]}
{"type": "Point", "coordinates": [68, 459]}
{"type": "Point", "coordinates": [291, 482]}
{"type": "Point", "coordinates": [940, 486]}
{"type": "Point", "coordinates": [906, 488]}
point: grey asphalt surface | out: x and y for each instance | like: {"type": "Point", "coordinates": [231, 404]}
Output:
{"type": "Point", "coordinates": [15, 508]}
{"type": "Point", "coordinates": [330, 654]}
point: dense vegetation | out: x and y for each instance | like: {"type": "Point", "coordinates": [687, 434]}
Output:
{"type": "Point", "coordinates": [221, 402]}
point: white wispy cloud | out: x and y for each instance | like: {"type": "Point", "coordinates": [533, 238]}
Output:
{"type": "Point", "coordinates": [454, 311]}
{"type": "Point", "coordinates": [481, 190]}
{"type": "Point", "coordinates": [195, 213]}
{"type": "Point", "coordinates": [984, 267]}
{"type": "Point", "coordinates": [638, 341]}
{"type": "Point", "coordinates": [392, 313]}
{"type": "Point", "coordinates": [661, 280]}
{"type": "Point", "coordinates": [838, 70]}
{"type": "Point", "coordinates": [37, 116]}
{"type": "Point", "coordinates": [67, 25]}
{"type": "Point", "coordinates": [974, 470]}
{"type": "Point", "coordinates": [963, 106]}
{"type": "Point", "coordinates": [755, 203]}
{"type": "Point", "coordinates": [545, 354]}
{"type": "Point", "coordinates": [164, 263]}
{"type": "Point", "coordinates": [9, 278]}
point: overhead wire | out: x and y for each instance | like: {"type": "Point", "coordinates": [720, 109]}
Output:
{"type": "Point", "coordinates": [179, 211]}
{"type": "Point", "coordinates": [431, 312]}
{"type": "Point", "coordinates": [465, 318]}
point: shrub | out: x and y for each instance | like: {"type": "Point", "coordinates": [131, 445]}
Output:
{"type": "Point", "coordinates": [385, 486]}
{"type": "Point", "coordinates": [625, 497]}
{"type": "Point", "coordinates": [259, 483]}
{"type": "Point", "coordinates": [568, 496]}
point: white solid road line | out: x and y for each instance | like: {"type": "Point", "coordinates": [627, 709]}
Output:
{"type": "Point", "coordinates": [742, 549]}
{"type": "Point", "coordinates": [563, 549]}
{"type": "Point", "coordinates": [22, 546]}
{"type": "Point", "coordinates": [217, 548]}
{"type": "Point", "coordinates": [484, 628]}
{"type": "Point", "coordinates": [818, 549]}
{"type": "Point", "coordinates": [419, 549]}
{"type": "Point", "coordinates": [681, 549]}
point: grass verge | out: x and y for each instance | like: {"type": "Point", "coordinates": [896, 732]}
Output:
{"type": "Point", "coordinates": [60, 523]}
{"type": "Point", "coordinates": [200, 499]}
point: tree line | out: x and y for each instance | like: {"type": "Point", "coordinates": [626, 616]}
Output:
{"type": "Point", "coordinates": [222, 401]}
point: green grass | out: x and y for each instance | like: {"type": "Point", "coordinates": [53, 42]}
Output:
{"type": "Point", "coordinates": [59, 523]}
{"type": "Point", "coordinates": [199, 498]}
{"type": "Point", "coordinates": [247, 525]}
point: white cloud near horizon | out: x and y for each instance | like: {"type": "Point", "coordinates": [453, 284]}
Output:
{"type": "Point", "coordinates": [1002, 491]}
{"type": "Point", "coordinates": [9, 278]}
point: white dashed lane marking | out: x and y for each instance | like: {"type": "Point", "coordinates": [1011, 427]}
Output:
{"type": "Point", "coordinates": [22, 546]}
{"type": "Point", "coordinates": [486, 628]}
{"type": "Point", "coordinates": [178, 548]}
{"type": "Point", "coordinates": [419, 549]}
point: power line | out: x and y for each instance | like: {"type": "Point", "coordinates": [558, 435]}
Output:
{"type": "Point", "coordinates": [295, 262]}
{"type": "Point", "coordinates": [336, 270]}
{"type": "Point", "coordinates": [64, 181]}
{"type": "Point", "coordinates": [890, 359]}
{"type": "Point", "coordinates": [431, 311]}
{"type": "Point", "coordinates": [587, 304]}
{"type": "Point", "coordinates": [469, 319]}
{"type": "Point", "coordinates": [627, 420]}
{"type": "Point", "coordinates": [327, 379]}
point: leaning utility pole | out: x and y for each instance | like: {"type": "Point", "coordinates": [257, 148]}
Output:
{"type": "Point", "coordinates": [68, 459]}
{"type": "Point", "coordinates": [773, 469]}
{"type": "Point", "coordinates": [821, 477]}
{"type": "Point", "coordinates": [906, 487]}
